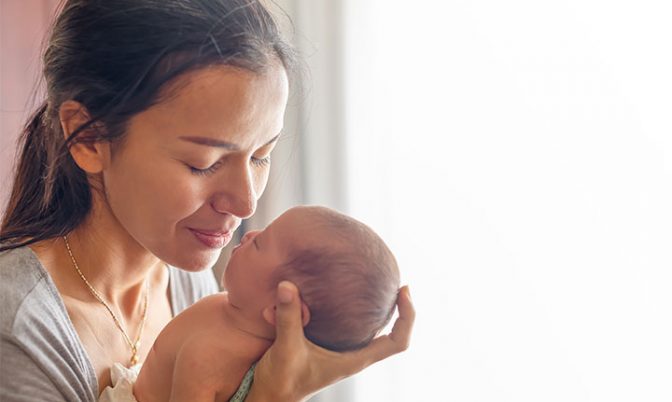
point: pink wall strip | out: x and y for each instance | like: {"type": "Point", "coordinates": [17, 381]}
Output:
{"type": "Point", "coordinates": [23, 25]}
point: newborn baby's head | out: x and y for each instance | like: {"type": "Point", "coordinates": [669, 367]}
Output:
{"type": "Point", "coordinates": [346, 275]}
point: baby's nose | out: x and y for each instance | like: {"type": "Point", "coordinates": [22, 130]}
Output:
{"type": "Point", "coordinates": [249, 235]}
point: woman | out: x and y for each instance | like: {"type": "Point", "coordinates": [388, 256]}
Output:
{"type": "Point", "coordinates": [153, 143]}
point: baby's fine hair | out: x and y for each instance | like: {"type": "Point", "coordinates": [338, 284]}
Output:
{"type": "Point", "coordinates": [350, 283]}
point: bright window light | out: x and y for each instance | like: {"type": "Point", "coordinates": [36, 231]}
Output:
{"type": "Point", "coordinates": [513, 154]}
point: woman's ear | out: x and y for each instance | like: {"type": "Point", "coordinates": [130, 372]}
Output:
{"type": "Point", "coordinates": [91, 157]}
{"type": "Point", "coordinates": [269, 314]}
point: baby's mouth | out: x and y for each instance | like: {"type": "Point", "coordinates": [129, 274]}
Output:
{"type": "Point", "coordinates": [236, 247]}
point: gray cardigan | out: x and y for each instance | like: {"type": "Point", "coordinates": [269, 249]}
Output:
{"type": "Point", "coordinates": [41, 357]}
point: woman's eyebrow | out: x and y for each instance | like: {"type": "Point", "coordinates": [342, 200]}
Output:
{"type": "Point", "coordinates": [272, 140]}
{"type": "Point", "coordinates": [212, 142]}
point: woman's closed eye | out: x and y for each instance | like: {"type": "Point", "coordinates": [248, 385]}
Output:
{"type": "Point", "coordinates": [207, 171]}
{"type": "Point", "coordinates": [257, 162]}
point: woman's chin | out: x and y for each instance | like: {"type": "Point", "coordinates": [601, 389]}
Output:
{"type": "Point", "coordinates": [194, 261]}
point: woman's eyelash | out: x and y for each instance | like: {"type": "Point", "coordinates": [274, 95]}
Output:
{"type": "Point", "coordinates": [261, 161]}
{"type": "Point", "coordinates": [258, 162]}
{"type": "Point", "coordinates": [205, 172]}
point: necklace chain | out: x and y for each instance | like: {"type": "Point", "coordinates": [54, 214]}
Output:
{"type": "Point", "coordinates": [133, 345]}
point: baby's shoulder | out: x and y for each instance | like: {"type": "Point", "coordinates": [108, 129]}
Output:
{"type": "Point", "coordinates": [196, 321]}
{"type": "Point", "coordinates": [210, 307]}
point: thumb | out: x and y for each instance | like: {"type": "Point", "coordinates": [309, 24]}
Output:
{"type": "Point", "coordinates": [288, 322]}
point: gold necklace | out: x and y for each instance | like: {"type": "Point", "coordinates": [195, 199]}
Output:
{"type": "Point", "coordinates": [133, 345]}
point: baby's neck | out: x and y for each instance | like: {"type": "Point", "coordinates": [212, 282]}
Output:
{"type": "Point", "coordinates": [256, 329]}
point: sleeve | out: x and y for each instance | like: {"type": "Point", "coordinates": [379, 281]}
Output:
{"type": "Point", "coordinates": [21, 379]}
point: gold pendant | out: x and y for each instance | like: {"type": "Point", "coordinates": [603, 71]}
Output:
{"type": "Point", "coordinates": [134, 355]}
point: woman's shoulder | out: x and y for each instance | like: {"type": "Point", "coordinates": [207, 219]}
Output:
{"type": "Point", "coordinates": [36, 334]}
{"type": "Point", "coordinates": [28, 296]}
{"type": "Point", "coordinates": [30, 304]}
{"type": "Point", "coordinates": [22, 278]}
{"type": "Point", "coordinates": [22, 263]}
{"type": "Point", "coordinates": [39, 346]}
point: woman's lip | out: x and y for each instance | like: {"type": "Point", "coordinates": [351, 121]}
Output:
{"type": "Point", "coordinates": [212, 239]}
{"type": "Point", "coordinates": [212, 233]}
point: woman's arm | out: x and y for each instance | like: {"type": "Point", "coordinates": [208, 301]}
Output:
{"type": "Point", "coordinates": [294, 368]}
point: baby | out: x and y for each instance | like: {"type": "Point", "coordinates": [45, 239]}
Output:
{"type": "Point", "coordinates": [348, 280]}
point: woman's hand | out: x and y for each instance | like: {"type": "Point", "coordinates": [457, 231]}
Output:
{"type": "Point", "coordinates": [295, 368]}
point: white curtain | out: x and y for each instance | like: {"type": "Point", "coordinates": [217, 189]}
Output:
{"type": "Point", "coordinates": [515, 155]}
{"type": "Point", "coordinates": [308, 163]}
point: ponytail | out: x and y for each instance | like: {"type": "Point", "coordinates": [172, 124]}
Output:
{"type": "Point", "coordinates": [50, 195]}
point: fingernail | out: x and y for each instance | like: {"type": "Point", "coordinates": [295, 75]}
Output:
{"type": "Point", "coordinates": [408, 293]}
{"type": "Point", "coordinates": [285, 294]}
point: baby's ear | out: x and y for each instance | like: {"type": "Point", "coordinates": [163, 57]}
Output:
{"type": "Point", "coordinates": [305, 314]}
{"type": "Point", "coordinates": [269, 314]}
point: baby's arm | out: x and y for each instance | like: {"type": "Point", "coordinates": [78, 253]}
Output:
{"type": "Point", "coordinates": [196, 357]}
{"type": "Point", "coordinates": [197, 324]}
{"type": "Point", "coordinates": [186, 387]}
{"type": "Point", "coordinates": [205, 379]}
{"type": "Point", "coordinates": [154, 380]}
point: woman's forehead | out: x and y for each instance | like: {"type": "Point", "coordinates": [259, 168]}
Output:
{"type": "Point", "coordinates": [221, 102]}
{"type": "Point", "coordinates": [215, 84]}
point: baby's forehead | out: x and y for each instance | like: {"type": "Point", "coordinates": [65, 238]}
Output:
{"type": "Point", "coordinates": [302, 228]}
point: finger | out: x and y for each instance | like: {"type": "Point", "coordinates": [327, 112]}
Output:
{"type": "Point", "coordinates": [288, 323]}
{"type": "Point", "coordinates": [403, 327]}
{"type": "Point", "coordinates": [395, 342]}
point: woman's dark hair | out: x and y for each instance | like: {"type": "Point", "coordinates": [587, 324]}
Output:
{"type": "Point", "coordinates": [114, 57]}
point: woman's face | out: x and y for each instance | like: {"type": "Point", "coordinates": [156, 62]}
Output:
{"type": "Point", "coordinates": [191, 167]}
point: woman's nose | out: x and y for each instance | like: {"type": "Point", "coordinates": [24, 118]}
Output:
{"type": "Point", "coordinates": [236, 194]}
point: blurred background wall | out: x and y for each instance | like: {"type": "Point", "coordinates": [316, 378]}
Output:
{"type": "Point", "coordinates": [23, 24]}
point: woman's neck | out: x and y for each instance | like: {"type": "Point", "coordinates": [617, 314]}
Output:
{"type": "Point", "coordinates": [108, 257]}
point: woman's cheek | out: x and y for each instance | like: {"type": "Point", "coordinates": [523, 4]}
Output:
{"type": "Point", "coordinates": [175, 191]}
{"type": "Point", "coordinates": [187, 196]}
{"type": "Point", "coordinates": [261, 179]}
